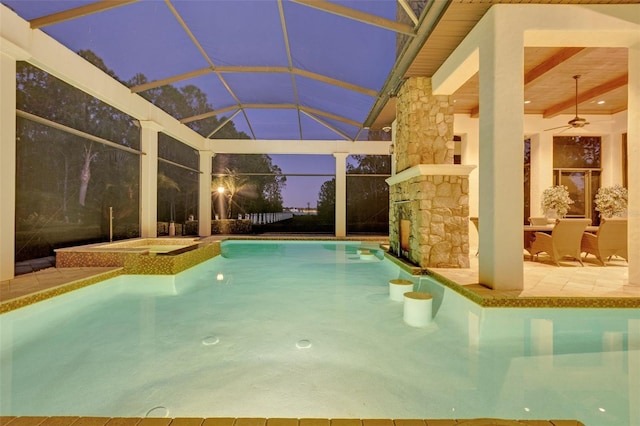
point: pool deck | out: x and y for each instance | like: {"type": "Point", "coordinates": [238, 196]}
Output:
{"type": "Point", "coordinates": [545, 285]}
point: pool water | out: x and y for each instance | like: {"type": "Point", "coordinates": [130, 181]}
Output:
{"type": "Point", "coordinates": [307, 329]}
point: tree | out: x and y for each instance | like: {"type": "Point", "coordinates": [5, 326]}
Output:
{"type": "Point", "coordinates": [70, 159]}
{"type": "Point", "coordinates": [231, 185]}
{"type": "Point", "coordinates": [264, 177]}
{"type": "Point", "coordinates": [327, 201]}
{"type": "Point", "coordinates": [66, 180]}
{"type": "Point", "coordinates": [368, 196]}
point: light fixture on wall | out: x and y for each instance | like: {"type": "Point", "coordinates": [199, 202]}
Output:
{"type": "Point", "coordinates": [386, 129]}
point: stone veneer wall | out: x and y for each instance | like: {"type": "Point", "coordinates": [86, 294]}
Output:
{"type": "Point", "coordinates": [424, 133]}
{"type": "Point", "coordinates": [436, 205]}
{"type": "Point", "coordinates": [438, 209]}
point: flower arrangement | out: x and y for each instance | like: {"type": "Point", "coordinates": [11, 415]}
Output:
{"type": "Point", "coordinates": [611, 200]}
{"type": "Point", "coordinates": [556, 198]}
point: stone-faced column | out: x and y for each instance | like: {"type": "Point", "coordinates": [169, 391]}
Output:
{"type": "Point", "coordinates": [424, 132]}
{"type": "Point", "coordinates": [429, 191]}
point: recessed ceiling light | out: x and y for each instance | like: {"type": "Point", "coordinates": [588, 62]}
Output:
{"type": "Point", "coordinates": [527, 102]}
{"type": "Point", "coordinates": [601, 102]}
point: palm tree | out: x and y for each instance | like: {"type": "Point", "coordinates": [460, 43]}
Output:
{"type": "Point", "coordinates": [232, 185]}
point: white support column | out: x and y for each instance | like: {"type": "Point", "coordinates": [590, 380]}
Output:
{"type": "Point", "coordinates": [149, 179]}
{"type": "Point", "coordinates": [7, 165]}
{"type": "Point", "coordinates": [204, 205]}
{"type": "Point", "coordinates": [341, 193]}
{"type": "Point", "coordinates": [541, 169]}
{"type": "Point", "coordinates": [501, 153]}
{"type": "Point", "coordinates": [633, 159]}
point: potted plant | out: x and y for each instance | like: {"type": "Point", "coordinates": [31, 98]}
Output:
{"type": "Point", "coordinates": [611, 200]}
{"type": "Point", "coordinates": [556, 201]}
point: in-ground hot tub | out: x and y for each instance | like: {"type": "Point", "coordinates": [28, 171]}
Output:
{"type": "Point", "coordinates": [140, 255]}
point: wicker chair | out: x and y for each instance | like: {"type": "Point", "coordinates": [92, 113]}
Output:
{"type": "Point", "coordinates": [610, 240]}
{"type": "Point", "coordinates": [564, 240]}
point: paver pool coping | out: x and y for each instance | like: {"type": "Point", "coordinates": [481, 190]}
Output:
{"type": "Point", "coordinates": [230, 421]}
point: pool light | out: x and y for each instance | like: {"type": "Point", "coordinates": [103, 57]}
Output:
{"type": "Point", "coordinates": [303, 344]}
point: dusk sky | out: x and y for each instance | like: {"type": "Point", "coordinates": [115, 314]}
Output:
{"type": "Point", "coordinates": [146, 37]}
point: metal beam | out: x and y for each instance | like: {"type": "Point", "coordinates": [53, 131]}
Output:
{"type": "Point", "coordinates": [329, 115]}
{"type": "Point", "coordinates": [77, 12]}
{"type": "Point", "coordinates": [163, 82]}
{"type": "Point", "coordinates": [224, 123]}
{"type": "Point", "coordinates": [334, 82]}
{"type": "Point", "coordinates": [407, 8]}
{"type": "Point", "coordinates": [327, 125]}
{"type": "Point", "coordinates": [272, 106]}
{"type": "Point", "coordinates": [285, 35]}
{"type": "Point", "coordinates": [208, 59]}
{"type": "Point", "coordinates": [232, 107]}
{"type": "Point", "coordinates": [254, 69]}
{"type": "Point", "coordinates": [356, 15]}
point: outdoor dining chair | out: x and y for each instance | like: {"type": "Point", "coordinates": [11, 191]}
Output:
{"type": "Point", "coordinates": [610, 240]}
{"type": "Point", "coordinates": [564, 240]}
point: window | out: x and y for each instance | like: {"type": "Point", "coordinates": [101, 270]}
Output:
{"type": "Point", "coordinates": [576, 164]}
{"type": "Point", "coordinates": [457, 150]}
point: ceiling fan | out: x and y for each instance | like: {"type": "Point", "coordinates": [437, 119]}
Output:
{"type": "Point", "coordinates": [576, 122]}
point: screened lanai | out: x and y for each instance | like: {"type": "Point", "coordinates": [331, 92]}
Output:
{"type": "Point", "coordinates": [314, 82]}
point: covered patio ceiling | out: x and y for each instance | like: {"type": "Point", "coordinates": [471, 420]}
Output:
{"type": "Point", "coordinates": [548, 72]}
{"type": "Point", "coordinates": [313, 69]}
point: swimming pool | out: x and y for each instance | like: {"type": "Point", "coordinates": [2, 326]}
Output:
{"type": "Point", "coordinates": [306, 329]}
